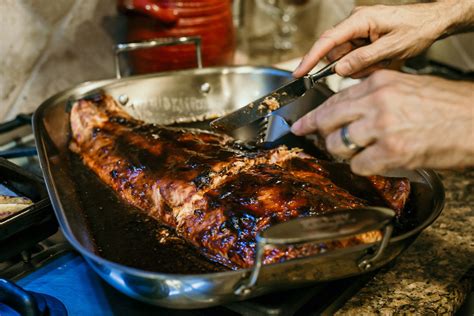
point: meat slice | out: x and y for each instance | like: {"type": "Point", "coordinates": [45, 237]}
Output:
{"type": "Point", "coordinates": [214, 192]}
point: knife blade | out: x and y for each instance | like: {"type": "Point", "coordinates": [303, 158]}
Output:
{"type": "Point", "coordinates": [271, 102]}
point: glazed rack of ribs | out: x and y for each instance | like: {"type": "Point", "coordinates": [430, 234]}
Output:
{"type": "Point", "coordinates": [215, 192]}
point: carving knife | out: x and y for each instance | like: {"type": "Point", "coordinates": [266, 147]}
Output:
{"type": "Point", "coordinates": [266, 105]}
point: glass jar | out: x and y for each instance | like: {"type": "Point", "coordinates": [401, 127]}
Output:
{"type": "Point", "coordinates": [152, 19]}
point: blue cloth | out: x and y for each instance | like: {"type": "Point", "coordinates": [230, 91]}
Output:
{"type": "Point", "coordinates": [70, 280]}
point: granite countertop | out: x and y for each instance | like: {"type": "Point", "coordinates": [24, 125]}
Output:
{"type": "Point", "coordinates": [434, 275]}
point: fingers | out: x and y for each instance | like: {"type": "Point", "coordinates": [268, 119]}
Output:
{"type": "Point", "coordinates": [367, 71]}
{"type": "Point", "coordinates": [360, 132]}
{"type": "Point", "coordinates": [326, 119]}
{"type": "Point", "coordinates": [351, 28]}
{"type": "Point", "coordinates": [333, 117]}
{"type": "Point", "coordinates": [364, 57]}
{"type": "Point", "coordinates": [318, 121]}
{"type": "Point", "coordinates": [364, 108]}
{"type": "Point", "coordinates": [339, 51]}
{"type": "Point", "coordinates": [370, 161]}
{"type": "Point", "coordinates": [337, 110]}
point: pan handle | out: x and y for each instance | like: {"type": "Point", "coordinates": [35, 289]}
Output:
{"type": "Point", "coordinates": [126, 47]}
{"type": "Point", "coordinates": [332, 226]}
{"type": "Point", "coordinates": [19, 299]}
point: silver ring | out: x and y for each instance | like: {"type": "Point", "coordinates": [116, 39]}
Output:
{"type": "Point", "coordinates": [346, 140]}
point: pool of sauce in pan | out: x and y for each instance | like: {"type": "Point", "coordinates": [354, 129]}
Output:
{"type": "Point", "coordinates": [124, 235]}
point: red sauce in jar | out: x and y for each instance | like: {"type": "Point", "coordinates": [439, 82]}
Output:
{"type": "Point", "coordinates": [151, 19]}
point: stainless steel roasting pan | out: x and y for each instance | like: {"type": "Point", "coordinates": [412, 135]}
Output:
{"type": "Point", "coordinates": [202, 93]}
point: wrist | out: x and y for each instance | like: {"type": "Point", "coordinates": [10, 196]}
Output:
{"type": "Point", "coordinates": [455, 16]}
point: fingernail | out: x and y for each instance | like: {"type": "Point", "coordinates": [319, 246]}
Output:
{"type": "Point", "coordinates": [299, 65]}
{"type": "Point", "coordinates": [296, 127]}
{"type": "Point", "coordinates": [343, 68]}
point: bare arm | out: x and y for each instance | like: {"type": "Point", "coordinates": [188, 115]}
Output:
{"type": "Point", "coordinates": [373, 36]}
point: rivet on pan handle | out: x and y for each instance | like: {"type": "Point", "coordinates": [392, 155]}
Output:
{"type": "Point", "coordinates": [332, 226]}
{"type": "Point", "coordinates": [126, 47]}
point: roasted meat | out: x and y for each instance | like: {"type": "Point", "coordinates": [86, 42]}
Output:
{"type": "Point", "coordinates": [214, 191]}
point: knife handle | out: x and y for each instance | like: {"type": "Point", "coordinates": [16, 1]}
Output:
{"type": "Point", "coordinates": [326, 71]}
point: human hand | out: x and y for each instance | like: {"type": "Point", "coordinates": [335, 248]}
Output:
{"type": "Point", "coordinates": [400, 120]}
{"type": "Point", "coordinates": [374, 36]}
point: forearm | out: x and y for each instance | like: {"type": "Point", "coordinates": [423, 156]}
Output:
{"type": "Point", "coordinates": [463, 133]}
{"type": "Point", "coordinates": [449, 118]}
{"type": "Point", "coordinates": [457, 16]}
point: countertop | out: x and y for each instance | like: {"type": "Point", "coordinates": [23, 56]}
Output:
{"type": "Point", "coordinates": [434, 275]}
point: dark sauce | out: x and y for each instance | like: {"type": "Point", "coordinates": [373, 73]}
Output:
{"type": "Point", "coordinates": [125, 235]}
